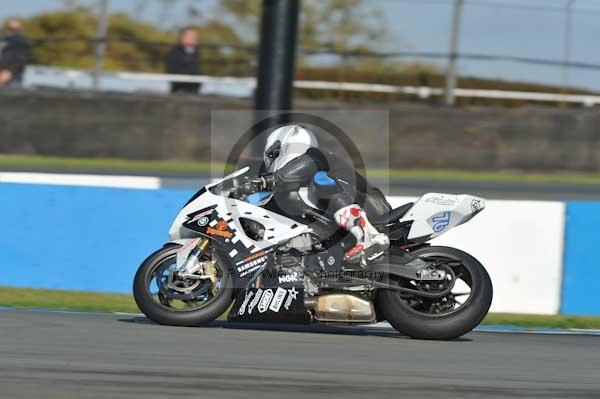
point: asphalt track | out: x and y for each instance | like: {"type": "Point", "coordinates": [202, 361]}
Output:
{"type": "Point", "coordinates": [66, 355]}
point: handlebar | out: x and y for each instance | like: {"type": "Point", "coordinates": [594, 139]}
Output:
{"type": "Point", "coordinates": [246, 187]}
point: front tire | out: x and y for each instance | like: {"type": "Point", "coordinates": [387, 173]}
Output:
{"type": "Point", "coordinates": [163, 314]}
{"type": "Point", "coordinates": [397, 309]}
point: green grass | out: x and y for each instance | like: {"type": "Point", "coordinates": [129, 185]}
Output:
{"type": "Point", "coordinates": [26, 298]}
{"type": "Point", "coordinates": [106, 164]}
{"type": "Point", "coordinates": [528, 320]}
{"type": "Point", "coordinates": [501, 176]}
{"type": "Point", "coordinates": [22, 162]}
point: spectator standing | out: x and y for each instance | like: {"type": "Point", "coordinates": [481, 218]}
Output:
{"type": "Point", "coordinates": [183, 59]}
{"type": "Point", "coordinates": [15, 53]}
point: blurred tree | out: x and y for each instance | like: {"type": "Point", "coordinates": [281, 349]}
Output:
{"type": "Point", "coordinates": [338, 25]}
{"type": "Point", "coordinates": [216, 60]}
{"type": "Point", "coordinates": [68, 32]}
{"type": "Point", "coordinates": [66, 39]}
{"type": "Point", "coordinates": [135, 45]}
{"type": "Point", "coordinates": [385, 66]}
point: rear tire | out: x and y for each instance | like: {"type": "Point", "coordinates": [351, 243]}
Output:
{"type": "Point", "coordinates": [445, 326]}
{"type": "Point", "coordinates": [164, 315]}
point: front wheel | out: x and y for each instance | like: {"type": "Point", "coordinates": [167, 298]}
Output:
{"type": "Point", "coordinates": [165, 298]}
{"type": "Point", "coordinates": [446, 317]}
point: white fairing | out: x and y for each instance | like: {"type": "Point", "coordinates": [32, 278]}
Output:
{"type": "Point", "coordinates": [277, 228]}
{"type": "Point", "coordinates": [434, 214]}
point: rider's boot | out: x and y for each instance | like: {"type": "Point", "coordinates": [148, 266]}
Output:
{"type": "Point", "coordinates": [370, 243]}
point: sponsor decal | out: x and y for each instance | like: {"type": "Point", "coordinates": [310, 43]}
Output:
{"type": "Point", "coordinates": [201, 215]}
{"type": "Point", "coordinates": [251, 266]}
{"type": "Point", "coordinates": [441, 222]}
{"type": "Point", "coordinates": [441, 200]}
{"type": "Point", "coordinates": [292, 295]}
{"type": "Point", "coordinates": [255, 300]}
{"type": "Point", "coordinates": [288, 278]}
{"type": "Point", "coordinates": [265, 300]}
{"type": "Point", "coordinates": [247, 298]}
{"type": "Point", "coordinates": [322, 218]}
{"type": "Point", "coordinates": [251, 270]}
{"type": "Point", "coordinates": [221, 225]}
{"type": "Point", "coordinates": [203, 221]}
{"type": "Point", "coordinates": [220, 230]}
{"type": "Point", "coordinates": [278, 299]}
{"type": "Point", "coordinates": [220, 233]}
{"type": "Point", "coordinates": [252, 257]}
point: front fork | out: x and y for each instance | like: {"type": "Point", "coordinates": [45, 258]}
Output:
{"type": "Point", "coordinates": [190, 265]}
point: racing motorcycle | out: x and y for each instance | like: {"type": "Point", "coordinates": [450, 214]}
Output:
{"type": "Point", "coordinates": [227, 247]}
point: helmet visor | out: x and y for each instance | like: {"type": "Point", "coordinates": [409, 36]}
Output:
{"type": "Point", "coordinates": [273, 151]}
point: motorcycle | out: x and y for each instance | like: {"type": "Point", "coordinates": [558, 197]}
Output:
{"type": "Point", "coordinates": [226, 247]}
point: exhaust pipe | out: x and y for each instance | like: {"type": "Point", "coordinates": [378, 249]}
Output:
{"type": "Point", "coordinates": [341, 308]}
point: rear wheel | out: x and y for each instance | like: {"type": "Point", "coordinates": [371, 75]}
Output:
{"type": "Point", "coordinates": [165, 298]}
{"type": "Point", "coordinates": [467, 296]}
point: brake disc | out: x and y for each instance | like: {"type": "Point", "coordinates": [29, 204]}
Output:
{"type": "Point", "coordinates": [185, 286]}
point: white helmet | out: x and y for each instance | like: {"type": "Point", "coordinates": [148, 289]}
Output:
{"type": "Point", "coordinates": [286, 143]}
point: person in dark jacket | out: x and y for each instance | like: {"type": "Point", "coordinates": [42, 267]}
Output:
{"type": "Point", "coordinates": [15, 52]}
{"type": "Point", "coordinates": [183, 60]}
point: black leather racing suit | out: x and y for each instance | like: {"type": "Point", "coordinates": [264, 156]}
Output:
{"type": "Point", "coordinates": [341, 186]}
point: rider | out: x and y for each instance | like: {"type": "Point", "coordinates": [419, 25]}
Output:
{"type": "Point", "coordinates": [292, 160]}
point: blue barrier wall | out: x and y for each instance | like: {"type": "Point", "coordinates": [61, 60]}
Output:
{"type": "Point", "coordinates": [93, 239]}
{"type": "Point", "coordinates": [81, 238]}
{"type": "Point", "coordinates": [581, 270]}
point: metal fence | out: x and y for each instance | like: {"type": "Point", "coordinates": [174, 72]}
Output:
{"type": "Point", "coordinates": [233, 64]}
{"type": "Point", "coordinates": [231, 61]}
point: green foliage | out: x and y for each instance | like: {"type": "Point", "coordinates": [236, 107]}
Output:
{"type": "Point", "coordinates": [340, 25]}
{"type": "Point", "coordinates": [66, 39]}
{"type": "Point", "coordinates": [133, 45]}
{"type": "Point", "coordinates": [223, 61]}
{"type": "Point", "coordinates": [411, 74]}
{"type": "Point", "coordinates": [78, 25]}
{"type": "Point", "coordinates": [354, 26]}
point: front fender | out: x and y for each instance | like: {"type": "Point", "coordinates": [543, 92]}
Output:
{"type": "Point", "coordinates": [186, 246]}
{"type": "Point", "coordinates": [180, 242]}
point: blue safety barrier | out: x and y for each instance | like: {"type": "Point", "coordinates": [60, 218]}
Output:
{"type": "Point", "coordinates": [93, 239]}
{"type": "Point", "coordinates": [81, 238]}
{"type": "Point", "coordinates": [581, 268]}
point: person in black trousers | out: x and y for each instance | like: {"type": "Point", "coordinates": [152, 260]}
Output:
{"type": "Point", "coordinates": [183, 59]}
{"type": "Point", "coordinates": [15, 53]}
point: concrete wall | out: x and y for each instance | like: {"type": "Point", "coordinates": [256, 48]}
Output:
{"type": "Point", "coordinates": [422, 136]}
{"type": "Point", "coordinates": [94, 238]}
